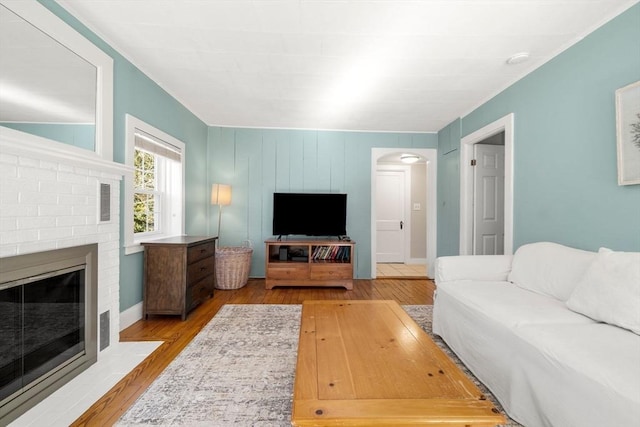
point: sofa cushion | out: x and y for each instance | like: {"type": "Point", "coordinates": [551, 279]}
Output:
{"type": "Point", "coordinates": [549, 268]}
{"type": "Point", "coordinates": [510, 305]}
{"type": "Point", "coordinates": [598, 360]}
{"type": "Point", "coordinates": [610, 290]}
{"type": "Point", "coordinates": [473, 267]}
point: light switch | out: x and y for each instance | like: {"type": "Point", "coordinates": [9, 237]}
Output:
{"type": "Point", "coordinates": [416, 206]}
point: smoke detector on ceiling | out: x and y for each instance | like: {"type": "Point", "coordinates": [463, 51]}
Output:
{"type": "Point", "coordinates": [518, 58]}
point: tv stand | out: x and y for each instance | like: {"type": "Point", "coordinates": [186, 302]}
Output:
{"type": "Point", "coordinates": [310, 262]}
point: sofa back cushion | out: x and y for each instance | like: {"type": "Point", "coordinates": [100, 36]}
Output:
{"type": "Point", "coordinates": [473, 267]}
{"type": "Point", "coordinates": [549, 268]}
{"type": "Point", "coordinates": [610, 290]}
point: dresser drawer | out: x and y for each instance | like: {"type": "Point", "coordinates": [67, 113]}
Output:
{"type": "Point", "coordinates": [288, 271]}
{"type": "Point", "coordinates": [199, 291]}
{"type": "Point", "coordinates": [200, 269]}
{"type": "Point", "coordinates": [329, 271]}
{"type": "Point", "coordinates": [196, 253]}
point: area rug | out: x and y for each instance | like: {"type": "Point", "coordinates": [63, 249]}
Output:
{"type": "Point", "coordinates": [239, 371]}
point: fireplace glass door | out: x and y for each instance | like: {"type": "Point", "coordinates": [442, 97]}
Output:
{"type": "Point", "coordinates": [42, 328]}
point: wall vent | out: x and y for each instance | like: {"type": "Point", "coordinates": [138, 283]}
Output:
{"type": "Point", "coordinates": [105, 202]}
{"type": "Point", "coordinates": [104, 330]}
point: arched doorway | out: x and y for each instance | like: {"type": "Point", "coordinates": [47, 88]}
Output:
{"type": "Point", "coordinates": [429, 156]}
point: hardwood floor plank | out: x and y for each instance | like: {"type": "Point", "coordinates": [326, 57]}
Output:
{"type": "Point", "coordinates": [177, 334]}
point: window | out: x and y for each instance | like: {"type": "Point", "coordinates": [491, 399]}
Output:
{"type": "Point", "coordinates": [145, 191]}
{"type": "Point", "coordinates": [154, 196]}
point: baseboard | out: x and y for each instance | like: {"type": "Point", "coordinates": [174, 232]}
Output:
{"type": "Point", "coordinates": [130, 316]}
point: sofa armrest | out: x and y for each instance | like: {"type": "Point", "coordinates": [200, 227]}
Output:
{"type": "Point", "coordinates": [473, 267]}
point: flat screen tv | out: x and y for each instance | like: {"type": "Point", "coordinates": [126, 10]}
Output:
{"type": "Point", "coordinates": [309, 214]}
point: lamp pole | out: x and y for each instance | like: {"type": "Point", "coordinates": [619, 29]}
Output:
{"type": "Point", "coordinates": [220, 195]}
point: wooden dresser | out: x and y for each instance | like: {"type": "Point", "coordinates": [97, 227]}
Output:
{"type": "Point", "coordinates": [179, 273]}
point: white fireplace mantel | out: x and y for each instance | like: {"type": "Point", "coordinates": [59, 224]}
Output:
{"type": "Point", "coordinates": [21, 143]}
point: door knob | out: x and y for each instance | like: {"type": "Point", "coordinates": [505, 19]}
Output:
{"type": "Point", "coordinates": [401, 224]}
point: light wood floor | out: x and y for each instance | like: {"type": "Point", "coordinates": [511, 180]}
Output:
{"type": "Point", "coordinates": [176, 334]}
{"type": "Point", "coordinates": [401, 271]}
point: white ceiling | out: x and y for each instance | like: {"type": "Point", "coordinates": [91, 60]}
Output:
{"type": "Point", "coordinates": [325, 64]}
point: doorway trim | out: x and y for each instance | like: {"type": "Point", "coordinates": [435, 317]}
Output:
{"type": "Point", "coordinates": [431, 157]}
{"type": "Point", "coordinates": [505, 124]}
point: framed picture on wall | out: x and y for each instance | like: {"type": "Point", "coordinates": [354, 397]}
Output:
{"type": "Point", "coordinates": [628, 133]}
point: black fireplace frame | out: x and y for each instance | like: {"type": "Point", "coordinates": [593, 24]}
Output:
{"type": "Point", "coordinates": [22, 268]}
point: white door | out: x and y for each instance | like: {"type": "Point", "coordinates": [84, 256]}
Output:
{"type": "Point", "coordinates": [488, 206]}
{"type": "Point", "coordinates": [390, 216]}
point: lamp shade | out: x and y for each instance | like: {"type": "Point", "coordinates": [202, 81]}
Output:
{"type": "Point", "coordinates": [221, 194]}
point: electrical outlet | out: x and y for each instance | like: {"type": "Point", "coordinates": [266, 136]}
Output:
{"type": "Point", "coordinates": [416, 206]}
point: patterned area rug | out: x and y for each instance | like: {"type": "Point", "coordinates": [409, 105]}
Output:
{"type": "Point", "coordinates": [239, 371]}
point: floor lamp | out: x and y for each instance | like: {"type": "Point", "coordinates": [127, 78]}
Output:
{"type": "Point", "coordinates": [221, 196]}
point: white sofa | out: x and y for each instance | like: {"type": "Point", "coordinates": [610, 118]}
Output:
{"type": "Point", "coordinates": [524, 325]}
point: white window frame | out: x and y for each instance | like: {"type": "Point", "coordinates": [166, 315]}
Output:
{"type": "Point", "coordinates": [171, 221]}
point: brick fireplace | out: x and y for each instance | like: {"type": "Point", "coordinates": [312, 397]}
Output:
{"type": "Point", "coordinates": [54, 196]}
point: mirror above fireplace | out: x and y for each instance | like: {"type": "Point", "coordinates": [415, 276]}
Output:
{"type": "Point", "coordinates": [54, 83]}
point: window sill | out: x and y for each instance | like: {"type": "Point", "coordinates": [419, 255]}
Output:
{"type": "Point", "coordinates": [136, 247]}
{"type": "Point", "coordinates": [133, 248]}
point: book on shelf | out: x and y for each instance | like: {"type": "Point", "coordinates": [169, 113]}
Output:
{"type": "Point", "coordinates": [331, 253]}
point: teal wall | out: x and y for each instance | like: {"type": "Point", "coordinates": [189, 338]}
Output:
{"type": "Point", "coordinates": [134, 93]}
{"type": "Point", "coordinates": [259, 162]}
{"type": "Point", "coordinates": [82, 136]}
{"type": "Point", "coordinates": [565, 172]}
